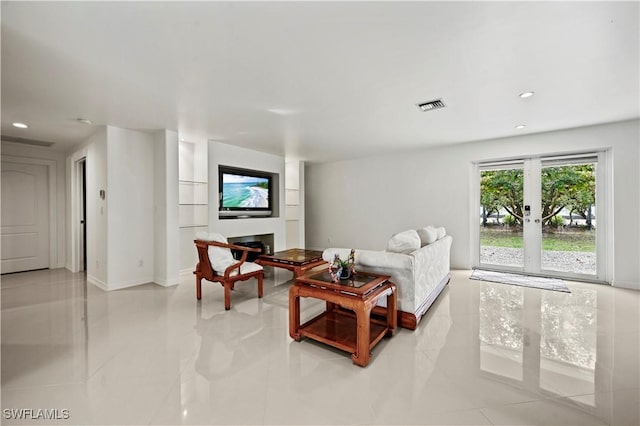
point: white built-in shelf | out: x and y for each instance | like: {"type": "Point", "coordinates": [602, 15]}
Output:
{"type": "Point", "coordinates": [193, 202]}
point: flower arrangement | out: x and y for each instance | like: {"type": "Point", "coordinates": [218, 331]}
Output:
{"type": "Point", "coordinates": [342, 269]}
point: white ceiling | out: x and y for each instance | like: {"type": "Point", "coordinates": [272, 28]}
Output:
{"type": "Point", "coordinates": [317, 81]}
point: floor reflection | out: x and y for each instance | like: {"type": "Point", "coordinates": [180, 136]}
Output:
{"type": "Point", "coordinates": [44, 328]}
{"type": "Point", "coordinates": [501, 331]}
{"type": "Point", "coordinates": [226, 348]}
{"type": "Point", "coordinates": [568, 342]}
{"type": "Point", "coordinates": [552, 334]}
{"type": "Point", "coordinates": [545, 341]}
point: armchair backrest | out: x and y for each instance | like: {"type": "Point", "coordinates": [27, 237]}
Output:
{"type": "Point", "coordinates": [218, 258]}
{"type": "Point", "coordinates": [204, 267]}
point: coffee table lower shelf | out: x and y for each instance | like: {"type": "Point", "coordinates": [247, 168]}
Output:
{"type": "Point", "coordinates": [338, 329]}
{"type": "Point", "coordinates": [346, 324]}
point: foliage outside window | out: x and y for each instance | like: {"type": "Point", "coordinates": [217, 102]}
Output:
{"type": "Point", "coordinates": [565, 187]}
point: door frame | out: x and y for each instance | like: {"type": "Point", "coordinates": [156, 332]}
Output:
{"type": "Point", "coordinates": [82, 211]}
{"type": "Point", "coordinates": [52, 193]}
{"type": "Point", "coordinates": [75, 232]}
{"type": "Point", "coordinates": [532, 255]}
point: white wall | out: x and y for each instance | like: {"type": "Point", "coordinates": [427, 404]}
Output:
{"type": "Point", "coordinates": [139, 173]}
{"type": "Point", "coordinates": [361, 203]}
{"type": "Point", "coordinates": [166, 263]}
{"type": "Point", "coordinates": [55, 162]}
{"type": "Point", "coordinates": [130, 189]}
{"type": "Point", "coordinates": [228, 155]}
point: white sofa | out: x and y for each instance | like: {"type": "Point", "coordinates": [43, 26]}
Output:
{"type": "Point", "coordinates": [418, 263]}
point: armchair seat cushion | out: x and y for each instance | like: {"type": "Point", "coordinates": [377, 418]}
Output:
{"type": "Point", "coordinates": [246, 268]}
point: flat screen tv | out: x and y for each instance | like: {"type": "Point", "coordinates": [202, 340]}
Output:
{"type": "Point", "coordinates": [244, 193]}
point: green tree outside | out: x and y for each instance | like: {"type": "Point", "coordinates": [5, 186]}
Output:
{"type": "Point", "coordinates": [571, 187]}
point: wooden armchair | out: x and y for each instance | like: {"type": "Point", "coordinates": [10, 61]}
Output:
{"type": "Point", "coordinates": [238, 271]}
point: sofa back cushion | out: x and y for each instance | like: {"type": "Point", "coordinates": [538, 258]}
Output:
{"type": "Point", "coordinates": [428, 235]}
{"type": "Point", "coordinates": [404, 242]}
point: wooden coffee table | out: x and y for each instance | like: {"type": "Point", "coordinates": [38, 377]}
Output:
{"type": "Point", "coordinates": [350, 329]}
{"type": "Point", "coordinates": [296, 260]}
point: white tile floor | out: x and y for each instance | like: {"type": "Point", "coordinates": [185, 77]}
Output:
{"type": "Point", "coordinates": [484, 354]}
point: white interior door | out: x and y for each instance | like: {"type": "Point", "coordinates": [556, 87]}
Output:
{"type": "Point", "coordinates": [25, 217]}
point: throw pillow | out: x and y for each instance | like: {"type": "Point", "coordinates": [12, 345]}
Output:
{"type": "Point", "coordinates": [441, 232]}
{"type": "Point", "coordinates": [427, 235]}
{"type": "Point", "coordinates": [220, 257]}
{"type": "Point", "coordinates": [404, 242]}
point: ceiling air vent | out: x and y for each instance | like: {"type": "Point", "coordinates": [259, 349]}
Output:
{"type": "Point", "coordinates": [431, 105]}
{"type": "Point", "coordinates": [26, 141]}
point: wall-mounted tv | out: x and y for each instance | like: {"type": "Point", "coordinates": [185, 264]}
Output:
{"type": "Point", "coordinates": [244, 192]}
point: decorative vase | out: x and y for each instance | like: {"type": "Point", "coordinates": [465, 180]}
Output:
{"type": "Point", "coordinates": [345, 274]}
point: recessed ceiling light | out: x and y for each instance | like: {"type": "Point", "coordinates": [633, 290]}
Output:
{"type": "Point", "coordinates": [84, 121]}
{"type": "Point", "coordinates": [526, 94]}
{"type": "Point", "coordinates": [520, 126]}
{"type": "Point", "coordinates": [282, 111]}
{"type": "Point", "coordinates": [20, 125]}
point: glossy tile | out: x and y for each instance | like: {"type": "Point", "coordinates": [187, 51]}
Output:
{"type": "Point", "coordinates": [484, 354]}
{"type": "Point", "coordinates": [544, 412]}
{"type": "Point", "coordinates": [616, 408]}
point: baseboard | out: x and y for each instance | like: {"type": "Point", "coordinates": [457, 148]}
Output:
{"type": "Point", "coordinates": [118, 286]}
{"type": "Point", "coordinates": [166, 283]}
{"type": "Point", "coordinates": [98, 283]}
{"type": "Point", "coordinates": [632, 285]}
{"type": "Point", "coordinates": [188, 271]}
{"type": "Point", "coordinates": [130, 283]}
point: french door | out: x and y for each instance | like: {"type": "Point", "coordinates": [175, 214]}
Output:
{"type": "Point", "coordinates": [543, 216]}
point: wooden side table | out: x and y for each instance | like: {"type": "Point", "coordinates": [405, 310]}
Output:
{"type": "Point", "coordinates": [354, 332]}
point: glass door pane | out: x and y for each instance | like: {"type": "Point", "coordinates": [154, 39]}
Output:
{"type": "Point", "coordinates": [501, 237]}
{"type": "Point", "coordinates": [568, 217]}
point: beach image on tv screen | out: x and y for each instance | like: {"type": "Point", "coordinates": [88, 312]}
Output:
{"type": "Point", "coordinates": [244, 191]}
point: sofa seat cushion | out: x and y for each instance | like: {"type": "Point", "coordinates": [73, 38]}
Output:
{"type": "Point", "coordinates": [404, 242]}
